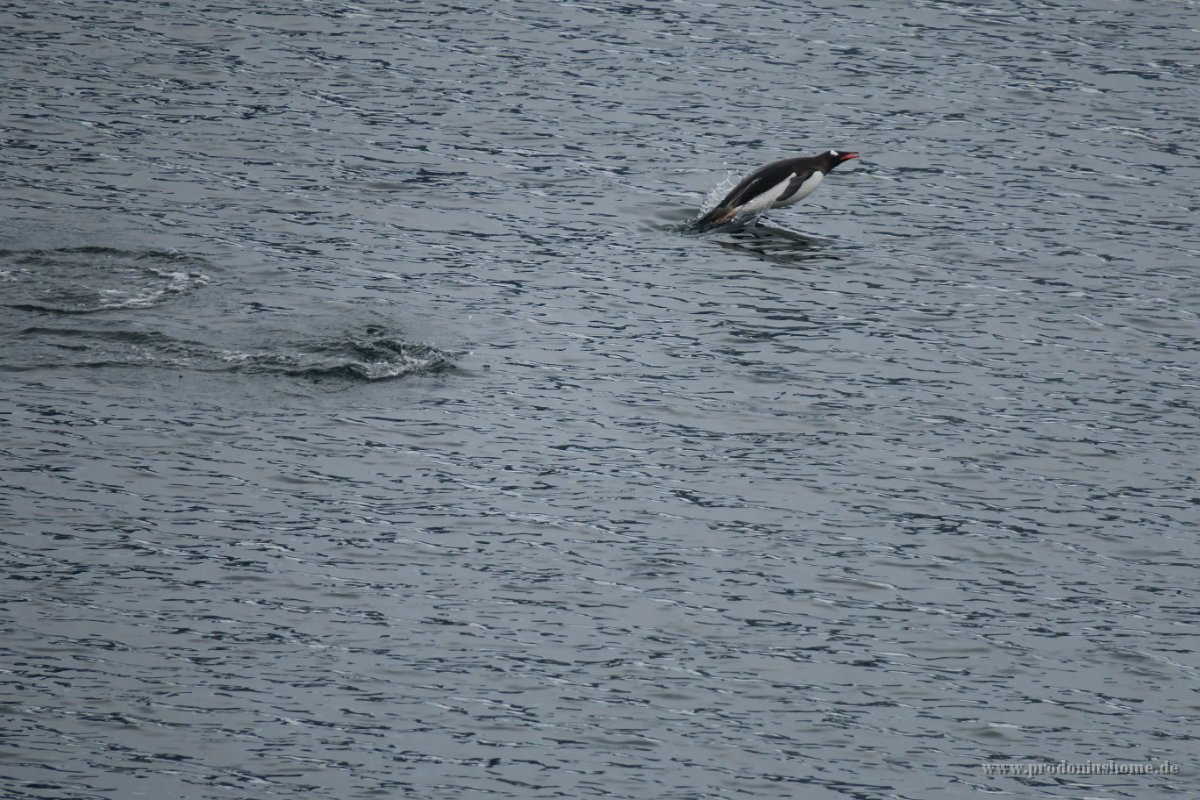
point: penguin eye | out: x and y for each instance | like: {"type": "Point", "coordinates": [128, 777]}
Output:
{"type": "Point", "coordinates": [833, 153]}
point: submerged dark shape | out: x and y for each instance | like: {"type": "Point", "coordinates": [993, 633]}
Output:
{"type": "Point", "coordinates": [780, 183]}
{"type": "Point", "coordinates": [778, 246]}
{"type": "Point", "coordinates": [379, 357]}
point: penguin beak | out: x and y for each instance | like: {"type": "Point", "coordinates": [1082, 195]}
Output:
{"type": "Point", "coordinates": [846, 157]}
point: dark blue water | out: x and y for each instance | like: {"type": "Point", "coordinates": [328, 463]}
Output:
{"type": "Point", "coordinates": [374, 426]}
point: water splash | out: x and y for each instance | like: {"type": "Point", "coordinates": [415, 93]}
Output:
{"type": "Point", "coordinates": [86, 280]}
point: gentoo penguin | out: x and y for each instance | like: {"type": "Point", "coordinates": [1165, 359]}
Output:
{"type": "Point", "coordinates": [778, 184]}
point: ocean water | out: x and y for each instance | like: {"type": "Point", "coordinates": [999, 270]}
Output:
{"type": "Point", "coordinates": [375, 425]}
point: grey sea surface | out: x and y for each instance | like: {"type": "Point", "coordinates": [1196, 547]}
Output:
{"type": "Point", "coordinates": [375, 425]}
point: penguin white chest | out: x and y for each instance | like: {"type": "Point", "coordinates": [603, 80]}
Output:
{"type": "Point", "coordinates": [808, 187]}
{"type": "Point", "coordinates": [766, 198]}
{"type": "Point", "coordinates": [770, 197]}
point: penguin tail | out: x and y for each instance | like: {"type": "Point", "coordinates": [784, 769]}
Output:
{"type": "Point", "coordinates": [718, 216]}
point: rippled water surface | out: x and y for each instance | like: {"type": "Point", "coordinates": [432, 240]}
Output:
{"type": "Point", "coordinates": [374, 425]}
